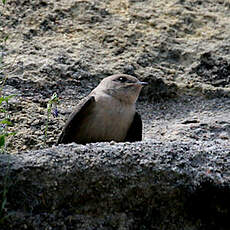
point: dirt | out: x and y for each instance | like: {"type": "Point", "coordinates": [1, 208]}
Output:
{"type": "Point", "coordinates": [180, 47]}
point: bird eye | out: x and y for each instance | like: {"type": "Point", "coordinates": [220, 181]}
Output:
{"type": "Point", "coordinates": [122, 79]}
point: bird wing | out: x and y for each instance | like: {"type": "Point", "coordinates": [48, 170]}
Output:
{"type": "Point", "coordinates": [135, 130]}
{"type": "Point", "coordinates": [72, 124]}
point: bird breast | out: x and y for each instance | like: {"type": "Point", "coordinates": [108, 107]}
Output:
{"type": "Point", "coordinates": [109, 120]}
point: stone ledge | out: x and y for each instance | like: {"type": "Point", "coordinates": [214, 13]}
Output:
{"type": "Point", "coordinates": [143, 185]}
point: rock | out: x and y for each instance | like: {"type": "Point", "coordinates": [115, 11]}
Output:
{"type": "Point", "coordinates": [143, 185]}
{"type": "Point", "coordinates": [213, 70]}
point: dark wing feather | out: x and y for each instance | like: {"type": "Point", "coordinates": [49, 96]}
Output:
{"type": "Point", "coordinates": [71, 126]}
{"type": "Point", "coordinates": [135, 130]}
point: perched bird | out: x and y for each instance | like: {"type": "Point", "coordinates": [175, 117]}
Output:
{"type": "Point", "coordinates": [108, 113]}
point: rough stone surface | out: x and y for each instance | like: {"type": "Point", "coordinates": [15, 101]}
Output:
{"type": "Point", "coordinates": [145, 185]}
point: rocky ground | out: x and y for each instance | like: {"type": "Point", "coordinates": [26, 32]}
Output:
{"type": "Point", "coordinates": [182, 48]}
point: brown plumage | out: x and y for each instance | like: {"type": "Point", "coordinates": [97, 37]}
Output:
{"type": "Point", "coordinates": [107, 113]}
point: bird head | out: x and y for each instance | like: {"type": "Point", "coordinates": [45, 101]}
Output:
{"type": "Point", "coordinates": [123, 87]}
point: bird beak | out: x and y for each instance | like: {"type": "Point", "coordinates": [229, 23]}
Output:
{"type": "Point", "coordinates": [142, 83]}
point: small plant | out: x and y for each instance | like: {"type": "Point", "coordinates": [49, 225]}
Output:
{"type": "Point", "coordinates": [4, 100]}
{"type": "Point", "coordinates": [5, 122]}
{"type": "Point", "coordinates": [51, 108]}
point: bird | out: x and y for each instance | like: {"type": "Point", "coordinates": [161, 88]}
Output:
{"type": "Point", "coordinates": [107, 114]}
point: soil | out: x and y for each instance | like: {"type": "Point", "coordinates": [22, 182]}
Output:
{"type": "Point", "coordinates": [182, 48]}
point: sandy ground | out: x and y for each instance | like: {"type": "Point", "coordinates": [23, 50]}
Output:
{"type": "Point", "coordinates": [180, 47]}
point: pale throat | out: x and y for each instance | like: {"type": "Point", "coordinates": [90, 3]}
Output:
{"type": "Point", "coordinates": [115, 104]}
{"type": "Point", "coordinates": [126, 98]}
